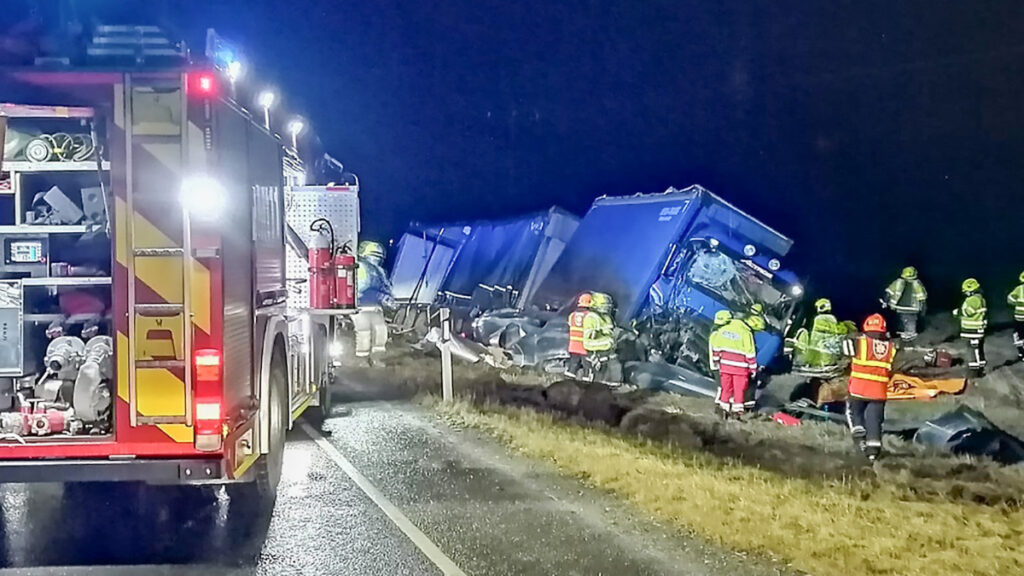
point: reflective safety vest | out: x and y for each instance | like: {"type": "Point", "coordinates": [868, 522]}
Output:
{"type": "Point", "coordinates": [1016, 299]}
{"type": "Point", "coordinates": [598, 332]}
{"type": "Point", "coordinates": [372, 285]}
{"type": "Point", "coordinates": [576, 332]}
{"type": "Point", "coordinates": [732, 350]}
{"type": "Point", "coordinates": [973, 316]}
{"type": "Point", "coordinates": [898, 299]}
{"type": "Point", "coordinates": [871, 367]}
{"type": "Point", "coordinates": [825, 324]}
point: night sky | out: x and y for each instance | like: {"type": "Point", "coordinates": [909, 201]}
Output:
{"type": "Point", "coordinates": [873, 133]}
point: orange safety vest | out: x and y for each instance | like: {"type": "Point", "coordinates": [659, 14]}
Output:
{"type": "Point", "coordinates": [576, 332]}
{"type": "Point", "coordinates": [871, 368]}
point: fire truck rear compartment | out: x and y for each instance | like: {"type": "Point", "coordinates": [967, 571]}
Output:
{"type": "Point", "coordinates": [57, 358]}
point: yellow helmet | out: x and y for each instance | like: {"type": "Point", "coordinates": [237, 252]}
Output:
{"type": "Point", "coordinates": [823, 305]}
{"type": "Point", "coordinates": [372, 250]}
{"type": "Point", "coordinates": [722, 317]}
{"type": "Point", "coordinates": [1021, 277]}
{"type": "Point", "coordinates": [601, 302]}
{"type": "Point", "coordinates": [757, 308]}
{"type": "Point", "coordinates": [909, 273]}
{"type": "Point", "coordinates": [585, 300]}
{"type": "Point", "coordinates": [970, 286]}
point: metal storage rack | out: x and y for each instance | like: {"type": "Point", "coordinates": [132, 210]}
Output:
{"type": "Point", "coordinates": [20, 324]}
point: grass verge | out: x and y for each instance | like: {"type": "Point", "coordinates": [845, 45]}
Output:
{"type": "Point", "coordinates": [824, 527]}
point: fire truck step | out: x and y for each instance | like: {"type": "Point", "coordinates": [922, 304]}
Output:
{"type": "Point", "coordinates": [151, 420]}
{"type": "Point", "coordinates": [152, 252]}
{"type": "Point", "coordinates": [158, 309]}
{"type": "Point", "coordinates": [140, 364]}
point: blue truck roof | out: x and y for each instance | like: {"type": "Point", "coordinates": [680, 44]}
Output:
{"type": "Point", "coordinates": [624, 242]}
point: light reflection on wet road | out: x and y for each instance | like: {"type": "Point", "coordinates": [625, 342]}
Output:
{"type": "Point", "coordinates": [490, 512]}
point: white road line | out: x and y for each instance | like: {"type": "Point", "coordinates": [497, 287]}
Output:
{"type": "Point", "coordinates": [429, 549]}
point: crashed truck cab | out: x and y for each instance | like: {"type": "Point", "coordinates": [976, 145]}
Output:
{"type": "Point", "coordinates": [722, 271]}
{"type": "Point", "coordinates": [676, 258]}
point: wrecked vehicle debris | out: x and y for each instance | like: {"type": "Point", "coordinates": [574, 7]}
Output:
{"type": "Point", "coordinates": [966, 431]}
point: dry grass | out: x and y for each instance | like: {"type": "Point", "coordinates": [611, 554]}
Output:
{"type": "Point", "coordinates": [822, 526]}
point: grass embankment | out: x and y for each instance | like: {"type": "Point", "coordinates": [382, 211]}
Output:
{"type": "Point", "coordinates": [825, 527]}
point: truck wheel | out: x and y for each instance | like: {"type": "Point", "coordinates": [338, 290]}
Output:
{"type": "Point", "coordinates": [268, 469]}
{"type": "Point", "coordinates": [319, 414]}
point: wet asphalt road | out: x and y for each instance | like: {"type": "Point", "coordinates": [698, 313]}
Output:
{"type": "Point", "coordinates": [489, 512]}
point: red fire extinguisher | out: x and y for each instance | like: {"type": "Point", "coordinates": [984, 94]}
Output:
{"type": "Point", "coordinates": [321, 265]}
{"type": "Point", "coordinates": [345, 271]}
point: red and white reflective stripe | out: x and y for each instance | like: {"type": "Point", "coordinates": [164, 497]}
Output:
{"type": "Point", "coordinates": [734, 363]}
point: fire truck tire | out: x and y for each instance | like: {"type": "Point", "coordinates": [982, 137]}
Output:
{"type": "Point", "coordinates": [268, 468]}
{"type": "Point", "coordinates": [319, 414]}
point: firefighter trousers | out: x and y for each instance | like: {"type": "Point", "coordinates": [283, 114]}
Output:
{"type": "Point", "coordinates": [865, 418]}
{"type": "Point", "coordinates": [976, 343]}
{"type": "Point", "coordinates": [732, 391]}
{"type": "Point", "coordinates": [1018, 338]}
{"type": "Point", "coordinates": [907, 325]}
{"type": "Point", "coordinates": [371, 331]}
{"type": "Point", "coordinates": [574, 365]}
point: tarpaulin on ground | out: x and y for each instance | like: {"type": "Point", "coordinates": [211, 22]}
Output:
{"type": "Point", "coordinates": [517, 252]}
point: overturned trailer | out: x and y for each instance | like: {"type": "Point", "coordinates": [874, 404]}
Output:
{"type": "Point", "coordinates": [485, 264]}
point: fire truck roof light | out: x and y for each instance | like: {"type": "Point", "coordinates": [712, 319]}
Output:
{"type": "Point", "coordinates": [202, 83]}
{"type": "Point", "coordinates": [234, 70]}
{"type": "Point", "coordinates": [203, 197]}
{"type": "Point", "coordinates": [266, 99]}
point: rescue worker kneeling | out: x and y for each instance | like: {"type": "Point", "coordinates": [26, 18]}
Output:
{"type": "Point", "coordinates": [870, 369]}
{"type": "Point", "coordinates": [577, 352]}
{"type": "Point", "coordinates": [734, 356]}
{"type": "Point", "coordinates": [599, 337]}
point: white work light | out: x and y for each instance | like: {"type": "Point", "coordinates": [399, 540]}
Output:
{"type": "Point", "coordinates": [749, 250]}
{"type": "Point", "coordinates": [295, 127]}
{"type": "Point", "coordinates": [266, 101]}
{"type": "Point", "coordinates": [796, 290]}
{"type": "Point", "coordinates": [774, 264]}
{"type": "Point", "coordinates": [203, 197]}
{"type": "Point", "coordinates": [336, 349]}
{"type": "Point", "coordinates": [234, 71]}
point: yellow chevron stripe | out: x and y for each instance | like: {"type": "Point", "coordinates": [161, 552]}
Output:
{"type": "Point", "coordinates": [159, 393]}
{"type": "Point", "coordinates": [161, 274]}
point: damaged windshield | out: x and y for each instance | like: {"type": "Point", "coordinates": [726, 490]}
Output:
{"type": "Point", "coordinates": [737, 284]}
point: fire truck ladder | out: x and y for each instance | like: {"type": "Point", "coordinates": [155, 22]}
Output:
{"type": "Point", "coordinates": [168, 312]}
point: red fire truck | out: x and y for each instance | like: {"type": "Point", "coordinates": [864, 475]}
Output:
{"type": "Point", "coordinates": [154, 319]}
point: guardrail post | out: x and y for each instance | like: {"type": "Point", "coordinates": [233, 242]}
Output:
{"type": "Point", "coordinates": [446, 355]}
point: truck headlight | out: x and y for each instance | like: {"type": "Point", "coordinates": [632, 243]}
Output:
{"type": "Point", "coordinates": [203, 197]}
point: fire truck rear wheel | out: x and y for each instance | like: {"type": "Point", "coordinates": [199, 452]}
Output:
{"type": "Point", "coordinates": [268, 471]}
